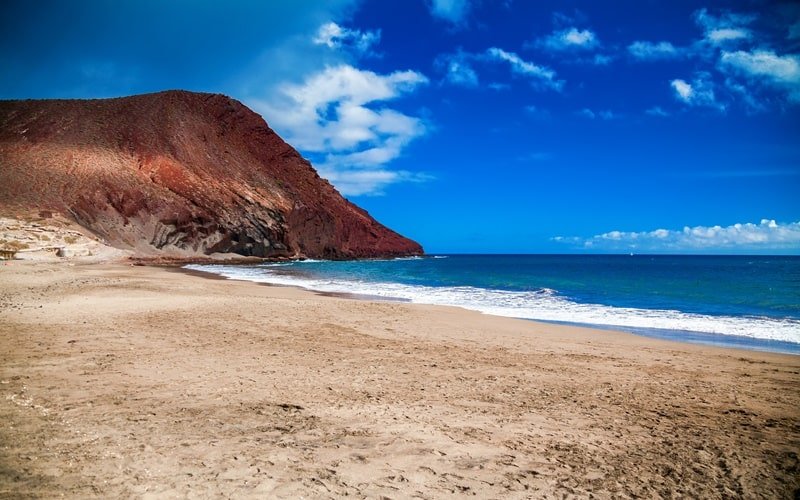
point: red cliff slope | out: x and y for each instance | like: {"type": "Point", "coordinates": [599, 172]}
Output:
{"type": "Point", "coordinates": [179, 172]}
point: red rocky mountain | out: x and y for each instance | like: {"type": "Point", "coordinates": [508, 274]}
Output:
{"type": "Point", "coordinates": [179, 173]}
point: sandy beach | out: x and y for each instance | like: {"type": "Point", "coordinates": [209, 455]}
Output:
{"type": "Point", "coordinates": [146, 382]}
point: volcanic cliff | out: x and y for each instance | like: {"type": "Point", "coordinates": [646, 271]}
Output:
{"type": "Point", "coordinates": [179, 172]}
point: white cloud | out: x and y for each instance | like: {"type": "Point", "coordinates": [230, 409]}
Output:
{"type": "Point", "coordinates": [461, 73]}
{"type": "Point", "coordinates": [782, 71]}
{"type": "Point", "coordinates": [541, 75]}
{"type": "Point", "coordinates": [354, 181]}
{"type": "Point", "coordinates": [454, 11]}
{"type": "Point", "coordinates": [649, 51]}
{"type": "Point", "coordinates": [334, 36]}
{"type": "Point", "coordinates": [584, 38]}
{"type": "Point", "coordinates": [757, 78]}
{"type": "Point", "coordinates": [682, 89]}
{"type": "Point", "coordinates": [765, 63]}
{"type": "Point", "coordinates": [726, 27]}
{"type": "Point", "coordinates": [726, 19]}
{"type": "Point", "coordinates": [582, 44]}
{"type": "Point", "coordinates": [722, 35]}
{"type": "Point", "coordinates": [309, 88]}
{"type": "Point", "coordinates": [344, 91]}
{"type": "Point", "coordinates": [458, 69]}
{"type": "Point", "coordinates": [764, 236]}
{"type": "Point", "coordinates": [571, 38]}
{"type": "Point", "coordinates": [700, 92]}
{"type": "Point", "coordinates": [338, 113]}
{"type": "Point", "coordinates": [603, 115]}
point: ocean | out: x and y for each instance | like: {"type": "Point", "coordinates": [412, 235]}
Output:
{"type": "Point", "coordinates": [751, 302]}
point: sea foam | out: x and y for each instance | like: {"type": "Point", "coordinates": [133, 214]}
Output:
{"type": "Point", "coordinates": [542, 304]}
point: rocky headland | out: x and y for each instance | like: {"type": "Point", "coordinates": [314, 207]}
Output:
{"type": "Point", "coordinates": [178, 174]}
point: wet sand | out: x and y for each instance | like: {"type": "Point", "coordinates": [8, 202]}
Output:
{"type": "Point", "coordinates": [121, 381]}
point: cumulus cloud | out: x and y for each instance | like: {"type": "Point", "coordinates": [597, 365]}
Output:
{"type": "Point", "coordinates": [540, 75]}
{"type": "Point", "coordinates": [339, 113]}
{"type": "Point", "coordinates": [650, 51]}
{"type": "Point", "coordinates": [334, 36]}
{"type": "Point", "coordinates": [582, 45]}
{"type": "Point", "coordinates": [700, 92]}
{"type": "Point", "coordinates": [453, 11]}
{"type": "Point", "coordinates": [766, 66]}
{"type": "Point", "coordinates": [756, 78]}
{"type": "Point", "coordinates": [570, 39]}
{"type": "Point", "coordinates": [346, 120]}
{"type": "Point", "coordinates": [752, 73]}
{"type": "Point", "coordinates": [683, 90]}
{"type": "Point", "coordinates": [764, 236]}
{"type": "Point", "coordinates": [765, 63]}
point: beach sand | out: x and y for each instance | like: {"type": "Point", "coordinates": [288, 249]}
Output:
{"type": "Point", "coordinates": [122, 381]}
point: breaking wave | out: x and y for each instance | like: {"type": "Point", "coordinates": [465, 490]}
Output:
{"type": "Point", "coordinates": [542, 304]}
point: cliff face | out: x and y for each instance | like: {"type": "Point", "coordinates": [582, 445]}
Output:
{"type": "Point", "coordinates": [179, 172]}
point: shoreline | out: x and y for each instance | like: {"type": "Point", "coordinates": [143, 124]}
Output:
{"type": "Point", "coordinates": [597, 329]}
{"type": "Point", "coordinates": [129, 381]}
{"type": "Point", "coordinates": [719, 340]}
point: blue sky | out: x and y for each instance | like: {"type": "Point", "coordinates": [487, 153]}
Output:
{"type": "Point", "coordinates": [479, 126]}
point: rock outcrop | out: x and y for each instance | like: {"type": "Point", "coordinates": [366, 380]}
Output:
{"type": "Point", "coordinates": [179, 173]}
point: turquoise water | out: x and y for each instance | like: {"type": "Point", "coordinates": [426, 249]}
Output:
{"type": "Point", "coordinates": [743, 301]}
